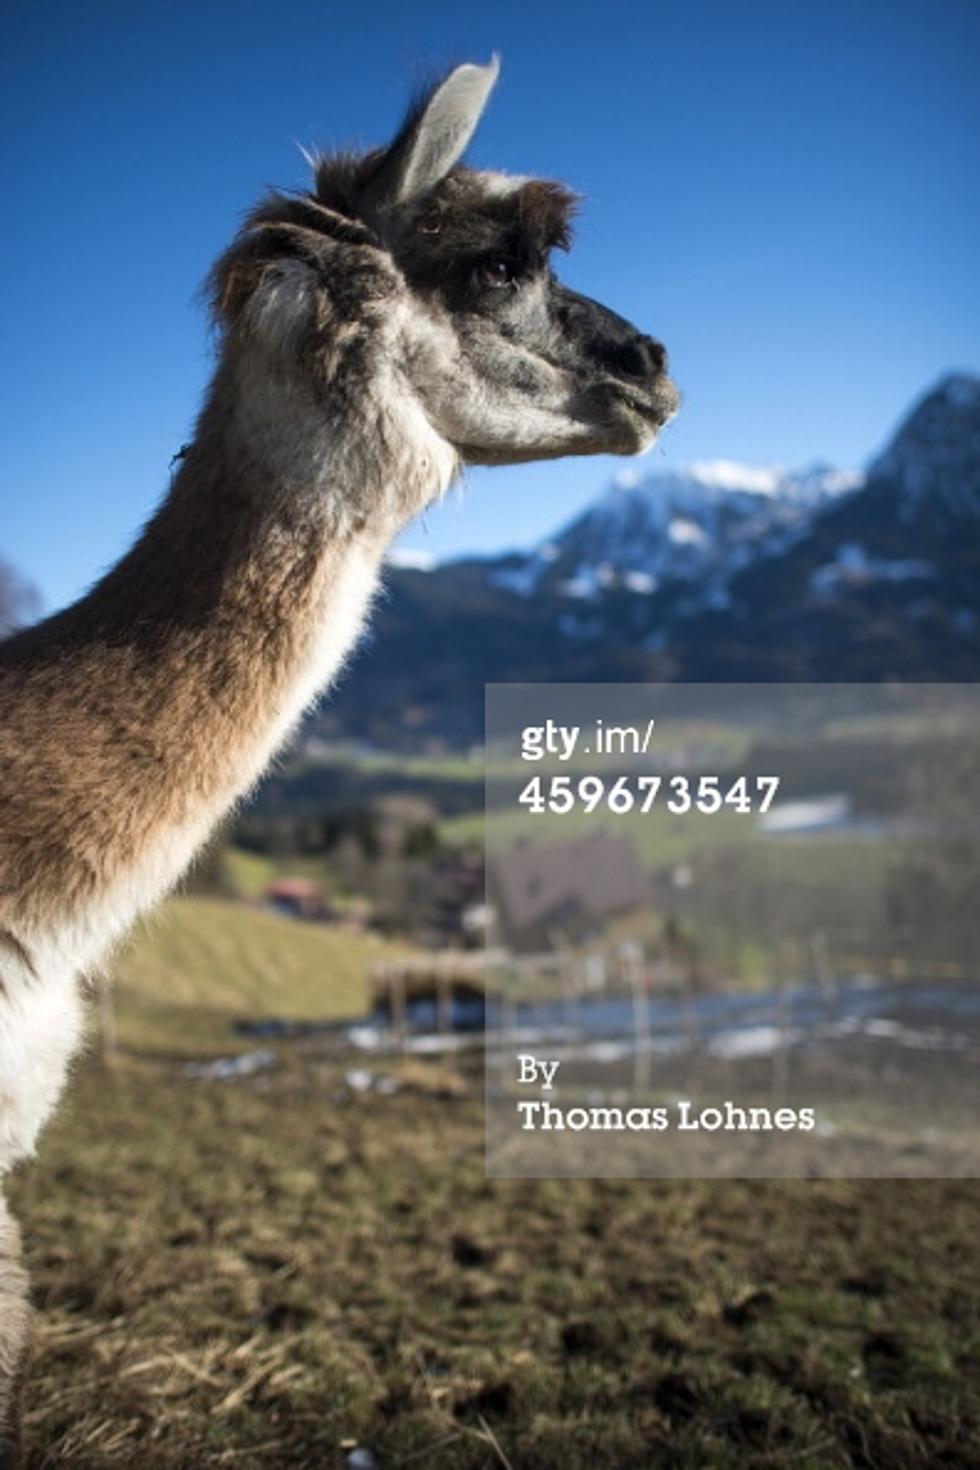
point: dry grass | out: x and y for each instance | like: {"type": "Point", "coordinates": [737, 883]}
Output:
{"type": "Point", "coordinates": [269, 1273]}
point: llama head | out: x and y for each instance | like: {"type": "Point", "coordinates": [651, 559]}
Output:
{"type": "Point", "coordinates": [407, 265]}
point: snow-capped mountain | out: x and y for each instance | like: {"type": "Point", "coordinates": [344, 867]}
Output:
{"type": "Point", "coordinates": [701, 523]}
{"type": "Point", "coordinates": [886, 581]}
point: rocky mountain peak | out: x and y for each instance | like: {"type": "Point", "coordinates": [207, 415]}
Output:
{"type": "Point", "coordinates": [933, 461]}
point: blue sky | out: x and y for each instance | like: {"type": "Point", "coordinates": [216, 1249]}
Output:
{"type": "Point", "coordinates": [785, 193]}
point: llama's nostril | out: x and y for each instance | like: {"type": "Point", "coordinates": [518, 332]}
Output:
{"type": "Point", "coordinates": [638, 357]}
{"type": "Point", "coordinates": [655, 354]}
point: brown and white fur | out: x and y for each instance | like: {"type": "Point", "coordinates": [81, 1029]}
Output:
{"type": "Point", "coordinates": [397, 322]}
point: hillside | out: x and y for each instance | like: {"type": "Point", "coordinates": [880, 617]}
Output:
{"type": "Point", "coordinates": [200, 964]}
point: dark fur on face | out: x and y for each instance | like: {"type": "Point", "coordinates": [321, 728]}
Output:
{"type": "Point", "coordinates": [457, 232]}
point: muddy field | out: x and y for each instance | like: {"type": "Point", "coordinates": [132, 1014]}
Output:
{"type": "Point", "coordinates": [284, 1271]}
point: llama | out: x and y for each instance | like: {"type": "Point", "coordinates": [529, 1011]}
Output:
{"type": "Point", "coordinates": [378, 333]}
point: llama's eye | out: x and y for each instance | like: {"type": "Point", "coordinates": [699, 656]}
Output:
{"type": "Point", "coordinates": [496, 273]}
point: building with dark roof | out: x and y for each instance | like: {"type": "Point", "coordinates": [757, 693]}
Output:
{"type": "Point", "coordinates": [568, 888]}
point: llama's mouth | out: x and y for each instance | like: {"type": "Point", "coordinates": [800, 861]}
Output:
{"type": "Point", "coordinates": [655, 405]}
{"type": "Point", "coordinates": [615, 418]}
{"type": "Point", "coordinates": [631, 415]}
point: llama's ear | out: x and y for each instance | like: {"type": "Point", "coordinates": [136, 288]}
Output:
{"type": "Point", "coordinates": [433, 138]}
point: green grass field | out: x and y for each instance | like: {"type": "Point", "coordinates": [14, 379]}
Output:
{"type": "Point", "coordinates": [199, 964]}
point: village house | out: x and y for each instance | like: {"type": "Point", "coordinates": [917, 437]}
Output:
{"type": "Point", "coordinates": [568, 888]}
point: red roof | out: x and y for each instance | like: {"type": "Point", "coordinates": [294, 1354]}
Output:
{"type": "Point", "coordinates": [294, 888]}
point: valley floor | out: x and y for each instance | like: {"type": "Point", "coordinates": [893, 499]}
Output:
{"type": "Point", "coordinates": [274, 1271]}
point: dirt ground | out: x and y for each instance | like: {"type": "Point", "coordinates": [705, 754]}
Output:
{"type": "Point", "coordinates": [286, 1272]}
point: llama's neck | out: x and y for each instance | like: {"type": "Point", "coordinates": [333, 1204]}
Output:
{"type": "Point", "coordinates": [182, 672]}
